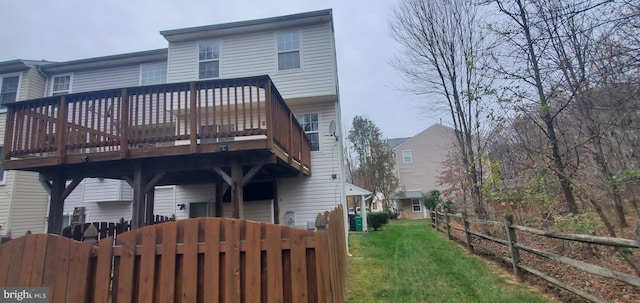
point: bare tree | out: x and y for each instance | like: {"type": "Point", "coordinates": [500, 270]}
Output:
{"type": "Point", "coordinates": [373, 165]}
{"type": "Point", "coordinates": [442, 47]}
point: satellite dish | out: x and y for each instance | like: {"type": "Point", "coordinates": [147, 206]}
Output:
{"type": "Point", "coordinates": [332, 129]}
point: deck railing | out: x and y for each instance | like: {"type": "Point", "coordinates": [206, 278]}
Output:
{"type": "Point", "coordinates": [188, 113]}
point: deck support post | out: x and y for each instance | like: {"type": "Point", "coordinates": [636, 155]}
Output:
{"type": "Point", "coordinates": [150, 196]}
{"type": "Point", "coordinates": [137, 213]}
{"type": "Point", "coordinates": [143, 196]}
{"type": "Point", "coordinates": [56, 202]}
{"type": "Point", "coordinates": [237, 200]}
{"type": "Point", "coordinates": [237, 180]}
{"type": "Point", "coordinates": [276, 206]}
{"type": "Point", "coordinates": [220, 189]}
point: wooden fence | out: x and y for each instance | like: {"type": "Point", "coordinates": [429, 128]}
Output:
{"type": "Point", "coordinates": [465, 234]}
{"type": "Point", "coordinates": [106, 229]}
{"type": "Point", "coordinates": [194, 260]}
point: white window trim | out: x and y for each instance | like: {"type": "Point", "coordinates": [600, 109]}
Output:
{"type": "Point", "coordinates": [198, 59]}
{"type": "Point", "coordinates": [3, 110]}
{"type": "Point", "coordinates": [318, 131]}
{"type": "Point", "coordinates": [419, 205]}
{"type": "Point", "coordinates": [404, 159]}
{"type": "Point", "coordinates": [300, 47]}
{"type": "Point", "coordinates": [150, 64]}
{"type": "Point", "coordinates": [53, 77]}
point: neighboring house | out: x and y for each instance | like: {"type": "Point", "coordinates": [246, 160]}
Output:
{"type": "Point", "coordinates": [229, 120]}
{"type": "Point", "coordinates": [419, 161]}
{"type": "Point", "coordinates": [23, 201]}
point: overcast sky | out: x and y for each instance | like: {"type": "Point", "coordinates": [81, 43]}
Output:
{"type": "Point", "coordinates": [64, 30]}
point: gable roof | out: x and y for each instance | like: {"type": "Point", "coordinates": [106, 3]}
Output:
{"type": "Point", "coordinates": [209, 31]}
{"type": "Point", "coordinates": [107, 61]}
{"type": "Point", "coordinates": [19, 65]}
{"type": "Point", "coordinates": [354, 190]}
{"type": "Point", "coordinates": [430, 128]}
{"type": "Point", "coordinates": [396, 141]}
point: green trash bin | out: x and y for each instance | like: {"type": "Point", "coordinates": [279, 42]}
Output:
{"type": "Point", "coordinates": [358, 223]}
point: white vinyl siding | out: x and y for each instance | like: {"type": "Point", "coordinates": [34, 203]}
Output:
{"type": "Point", "coordinates": [256, 54]}
{"type": "Point", "coordinates": [100, 79]}
{"type": "Point", "coordinates": [307, 196]}
{"type": "Point", "coordinates": [29, 209]}
{"type": "Point", "coordinates": [153, 73]}
{"type": "Point", "coordinates": [3, 173]}
{"type": "Point", "coordinates": [61, 84]}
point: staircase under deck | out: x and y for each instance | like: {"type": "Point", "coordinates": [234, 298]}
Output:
{"type": "Point", "coordinates": [222, 131]}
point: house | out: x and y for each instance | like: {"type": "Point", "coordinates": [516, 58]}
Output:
{"type": "Point", "coordinates": [229, 120]}
{"type": "Point", "coordinates": [23, 201]}
{"type": "Point", "coordinates": [419, 161]}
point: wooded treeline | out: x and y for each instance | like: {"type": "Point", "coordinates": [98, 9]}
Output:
{"type": "Point", "coordinates": [545, 99]}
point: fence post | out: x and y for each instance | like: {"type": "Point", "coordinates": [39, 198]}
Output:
{"type": "Point", "coordinates": [321, 223]}
{"type": "Point", "coordinates": [433, 218]}
{"type": "Point", "coordinates": [467, 232]}
{"type": "Point", "coordinates": [515, 253]}
{"type": "Point", "coordinates": [437, 223]}
{"type": "Point", "coordinates": [448, 223]}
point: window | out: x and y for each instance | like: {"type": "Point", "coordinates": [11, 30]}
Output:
{"type": "Point", "coordinates": [153, 74]}
{"type": "Point", "coordinates": [416, 205]}
{"type": "Point", "coordinates": [288, 50]}
{"type": "Point", "coordinates": [309, 123]}
{"type": "Point", "coordinates": [209, 60]}
{"type": "Point", "coordinates": [202, 209]}
{"type": "Point", "coordinates": [406, 156]}
{"type": "Point", "coordinates": [9, 89]}
{"type": "Point", "coordinates": [61, 85]}
{"type": "Point", "coordinates": [2, 172]}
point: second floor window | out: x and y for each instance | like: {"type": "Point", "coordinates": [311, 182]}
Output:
{"type": "Point", "coordinates": [153, 74]}
{"type": "Point", "coordinates": [406, 156]}
{"type": "Point", "coordinates": [61, 85]}
{"type": "Point", "coordinates": [309, 123]}
{"type": "Point", "coordinates": [288, 50]}
{"type": "Point", "coordinates": [209, 60]}
{"type": "Point", "coordinates": [9, 89]}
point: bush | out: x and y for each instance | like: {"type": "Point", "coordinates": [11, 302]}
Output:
{"type": "Point", "coordinates": [393, 214]}
{"type": "Point", "coordinates": [376, 220]}
{"type": "Point", "coordinates": [432, 199]}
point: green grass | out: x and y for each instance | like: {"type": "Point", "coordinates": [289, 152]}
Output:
{"type": "Point", "coordinates": [407, 261]}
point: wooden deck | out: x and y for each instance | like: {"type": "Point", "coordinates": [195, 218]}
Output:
{"type": "Point", "coordinates": [213, 120]}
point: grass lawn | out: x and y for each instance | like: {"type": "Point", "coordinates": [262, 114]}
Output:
{"type": "Point", "coordinates": [408, 261]}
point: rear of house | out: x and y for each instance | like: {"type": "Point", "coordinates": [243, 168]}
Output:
{"type": "Point", "coordinates": [297, 55]}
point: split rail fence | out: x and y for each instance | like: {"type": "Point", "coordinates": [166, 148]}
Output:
{"type": "Point", "coordinates": [465, 234]}
{"type": "Point", "coordinates": [194, 260]}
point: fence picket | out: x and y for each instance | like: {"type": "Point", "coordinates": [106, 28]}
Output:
{"type": "Point", "coordinates": [147, 266]}
{"type": "Point", "coordinates": [212, 260]}
{"type": "Point", "coordinates": [168, 263]}
{"type": "Point", "coordinates": [252, 266]}
{"type": "Point", "coordinates": [274, 264]}
{"type": "Point", "coordinates": [124, 290]}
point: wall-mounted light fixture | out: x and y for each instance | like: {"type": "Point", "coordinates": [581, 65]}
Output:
{"type": "Point", "coordinates": [181, 206]}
